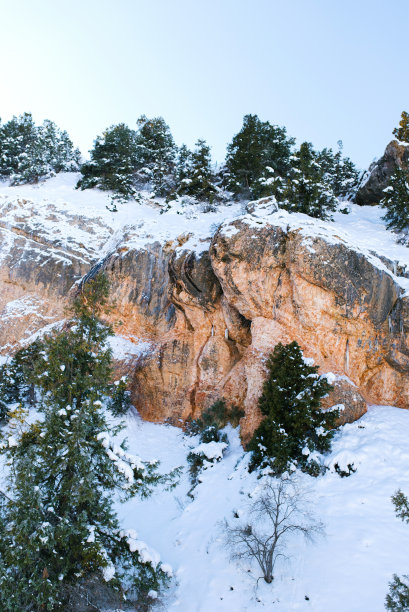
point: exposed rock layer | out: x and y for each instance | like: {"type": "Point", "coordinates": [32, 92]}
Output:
{"type": "Point", "coordinates": [212, 318]}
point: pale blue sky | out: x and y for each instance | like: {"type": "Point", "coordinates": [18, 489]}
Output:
{"type": "Point", "coordinates": [326, 69]}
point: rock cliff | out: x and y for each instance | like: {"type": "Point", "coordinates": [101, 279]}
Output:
{"type": "Point", "coordinates": [199, 323]}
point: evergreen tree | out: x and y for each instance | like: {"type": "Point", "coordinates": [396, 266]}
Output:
{"type": "Point", "coordinates": [156, 154]}
{"type": "Point", "coordinates": [16, 378]}
{"type": "Point", "coordinates": [402, 132]}
{"type": "Point", "coordinates": [21, 159]}
{"type": "Point", "coordinates": [199, 180]}
{"type": "Point", "coordinates": [397, 599]}
{"type": "Point", "coordinates": [59, 152]}
{"type": "Point", "coordinates": [182, 171]}
{"type": "Point", "coordinates": [305, 190]}
{"type": "Point", "coordinates": [113, 163]}
{"type": "Point", "coordinates": [338, 172]}
{"type": "Point", "coordinates": [294, 427]}
{"type": "Point", "coordinates": [258, 145]}
{"type": "Point", "coordinates": [396, 200]}
{"type": "Point", "coordinates": [183, 163]}
{"type": "Point", "coordinates": [58, 529]}
{"type": "Point", "coordinates": [29, 152]}
{"type": "Point", "coordinates": [120, 401]}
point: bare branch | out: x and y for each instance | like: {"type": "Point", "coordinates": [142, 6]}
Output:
{"type": "Point", "coordinates": [280, 510]}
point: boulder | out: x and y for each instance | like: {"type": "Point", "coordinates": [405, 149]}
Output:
{"type": "Point", "coordinates": [346, 397]}
{"type": "Point", "coordinates": [374, 181]}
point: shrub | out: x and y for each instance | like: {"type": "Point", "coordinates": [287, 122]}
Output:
{"type": "Point", "coordinates": [217, 416]}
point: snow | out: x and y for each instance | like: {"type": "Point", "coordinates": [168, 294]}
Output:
{"type": "Point", "coordinates": [108, 572]}
{"type": "Point", "coordinates": [12, 441]}
{"type": "Point", "coordinates": [79, 223]}
{"type": "Point", "coordinates": [331, 377]}
{"type": "Point", "coordinates": [348, 570]}
{"type": "Point", "coordinates": [125, 349]}
{"type": "Point", "coordinates": [21, 307]}
{"type": "Point", "coordinates": [211, 450]}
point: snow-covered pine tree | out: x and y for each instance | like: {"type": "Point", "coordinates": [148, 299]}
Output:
{"type": "Point", "coordinates": [182, 165]}
{"type": "Point", "coordinates": [397, 600]}
{"type": "Point", "coordinates": [396, 200]}
{"type": "Point", "coordinates": [305, 189]}
{"type": "Point", "coordinates": [16, 378]}
{"type": "Point", "coordinates": [199, 179]}
{"type": "Point", "coordinates": [402, 132]}
{"type": "Point", "coordinates": [338, 172]}
{"type": "Point", "coordinates": [59, 151]}
{"type": "Point", "coordinates": [113, 162]}
{"type": "Point", "coordinates": [21, 159]}
{"type": "Point", "coordinates": [156, 155]}
{"type": "Point", "coordinates": [29, 153]}
{"type": "Point", "coordinates": [258, 145]}
{"type": "Point", "coordinates": [294, 427]}
{"type": "Point", "coordinates": [59, 533]}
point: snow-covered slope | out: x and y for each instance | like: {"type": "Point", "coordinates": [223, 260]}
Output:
{"type": "Point", "coordinates": [66, 216]}
{"type": "Point", "coordinates": [347, 570]}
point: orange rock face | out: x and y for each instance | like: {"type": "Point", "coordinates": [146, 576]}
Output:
{"type": "Point", "coordinates": [212, 319]}
{"type": "Point", "coordinates": [258, 287]}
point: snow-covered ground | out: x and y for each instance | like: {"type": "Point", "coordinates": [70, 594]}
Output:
{"type": "Point", "coordinates": [80, 220]}
{"type": "Point", "coordinates": [62, 215]}
{"type": "Point", "coordinates": [346, 570]}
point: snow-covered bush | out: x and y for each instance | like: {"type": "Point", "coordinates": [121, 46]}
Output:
{"type": "Point", "coordinates": [206, 454]}
{"type": "Point", "coordinates": [217, 416]}
{"type": "Point", "coordinates": [213, 441]}
{"type": "Point", "coordinates": [120, 400]}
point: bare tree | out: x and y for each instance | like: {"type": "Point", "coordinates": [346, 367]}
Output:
{"type": "Point", "coordinates": [280, 510]}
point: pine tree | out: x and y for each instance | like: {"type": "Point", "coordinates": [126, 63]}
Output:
{"type": "Point", "coordinates": [338, 172]}
{"type": "Point", "coordinates": [58, 148]}
{"type": "Point", "coordinates": [156, 154]}
{"type": "Point", "coordinates": [120, 401]}
{"type": "Point", "coordinates": [29, 153]}
{"type": "Point", "coordinates": [258, 145]}
{"type": "Point", "coordinates": [113, 163]}
{"type": "Point", "coordinates": [396, 200]}
{"type": "Point", "coordinates": [16, 384]}
{"type": "Point", "coordinates": [198, 180]}
{"type": "Point", "coordinates": [397, 599]}
{"type": "Point", "coordinates": [305, 190]}
{"type": "Point", "coordinates": [58, 529]}
{"type": "Point", "coordinates": [402, 132]}
{"type": "Point", "coordinates": [183, 164]}
{"type": "Point", "coordinates": [294, 427]}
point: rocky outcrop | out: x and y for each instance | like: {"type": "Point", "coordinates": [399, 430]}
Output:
{"type": "Point", "coordinates": [260, 284]}
{"type": "Point", "coordinates": [199, 325]}
{"type": "Point", "coordinates": [346, 397]}
{"type": "Point", "coordinates": [377, 177]}
{"type": "Point", "coordinates": [41, 259]}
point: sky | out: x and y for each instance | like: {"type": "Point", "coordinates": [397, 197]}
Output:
{"type": "Point", "coordinates": [325, 69]}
